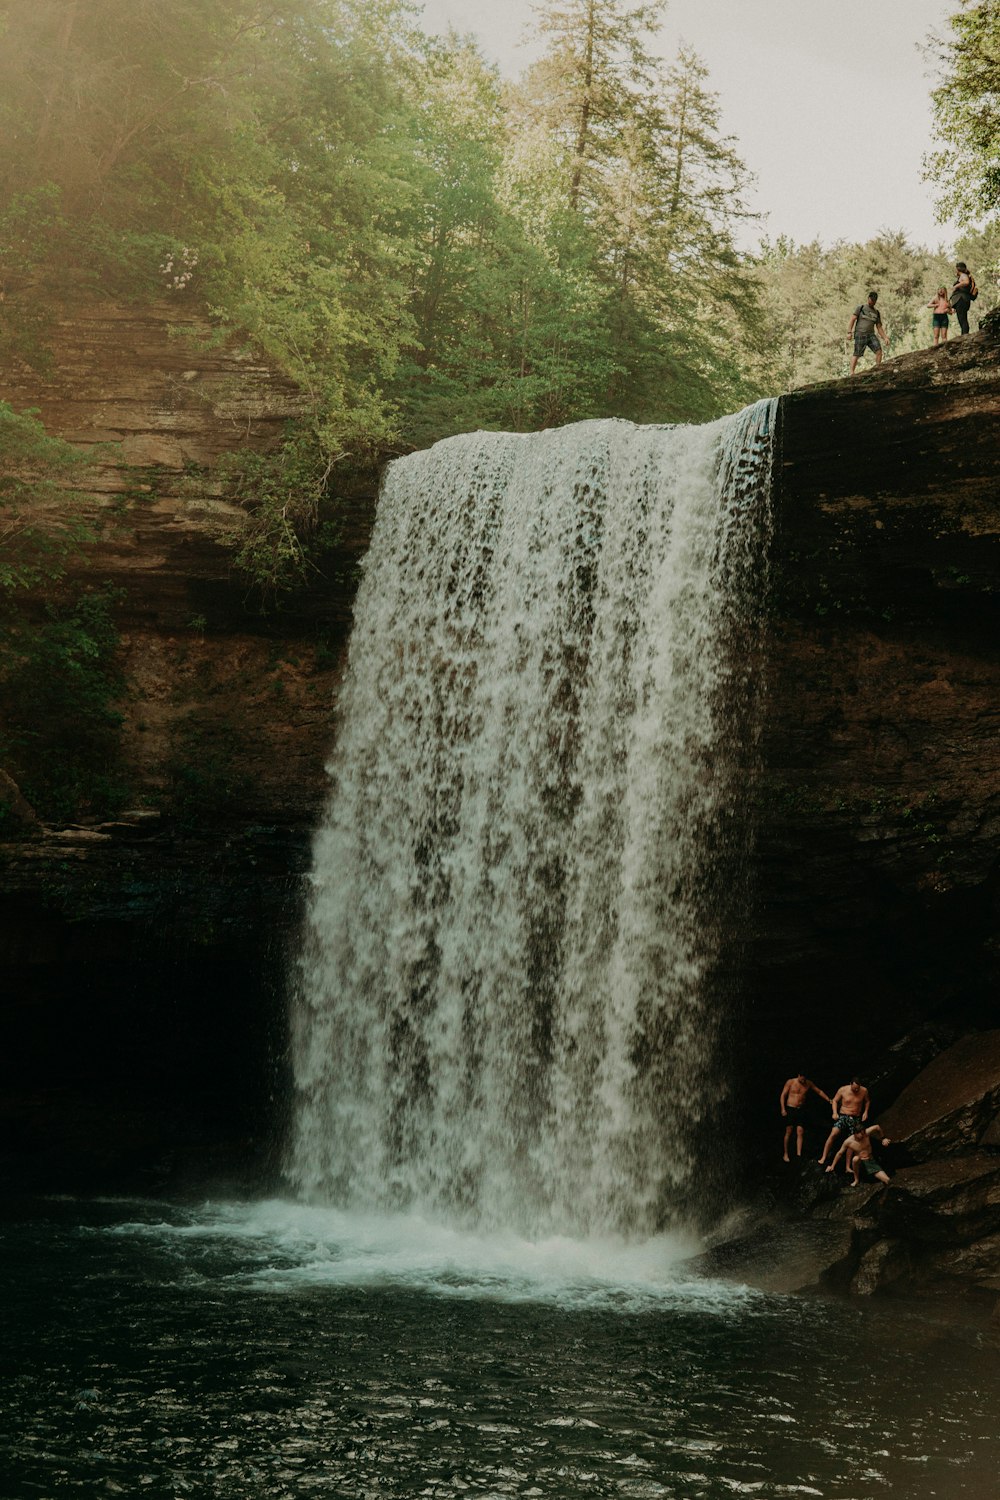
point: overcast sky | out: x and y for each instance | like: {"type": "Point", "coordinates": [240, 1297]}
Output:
{"type": "Point", "coordinates": [828, 99]}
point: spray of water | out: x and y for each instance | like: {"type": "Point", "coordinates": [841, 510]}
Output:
{"type": "Point", "coordinates": [502, 1014]}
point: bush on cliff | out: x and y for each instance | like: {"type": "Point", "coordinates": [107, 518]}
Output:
{"type": "Point", "coordinates": [59, 678]}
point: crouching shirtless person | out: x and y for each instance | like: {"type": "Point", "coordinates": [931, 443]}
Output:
{"type": "Point", "coordinates": [860, 1155]}
{"type": "Point", "coordinates": [793, 1097]}
{"type": "Point", "coordinates": [850, 1106]}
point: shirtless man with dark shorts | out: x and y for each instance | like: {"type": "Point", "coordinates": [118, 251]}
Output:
{"type": "Point", "coordinates": [850, 1106]}
{"type": "Point", "coordinates": [793, 1097]}
{"type": "Point", "coordinates": [860, 1156]}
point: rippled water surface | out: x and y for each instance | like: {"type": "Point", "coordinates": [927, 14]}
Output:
{"type": "Point", "coordinates": [268, 1350]}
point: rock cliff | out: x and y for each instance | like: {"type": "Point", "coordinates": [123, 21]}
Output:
{"type": "Point", "coordinates": [880, 830]}
{"type": "Point", "coordinates": [147, 955]}
{"type": "Point", "coordinates": [144, 956]}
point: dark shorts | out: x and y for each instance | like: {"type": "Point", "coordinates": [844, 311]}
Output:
{"type": "Point", "coordinates": [940, 320]}
{"type": "Point", "coordinates": [863, 341]}
{"type": "Point", "coordinates": [846, 1124]}
{"type": "Point", "coordinates": [871, 1168]}
{"type": "Point", "coordinates": [794, 1112]}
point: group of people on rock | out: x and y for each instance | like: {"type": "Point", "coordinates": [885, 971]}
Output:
{"type": "Point", "coordinates": [866, 326]}
{"type": "Point", "coordinates": [850, 1105]}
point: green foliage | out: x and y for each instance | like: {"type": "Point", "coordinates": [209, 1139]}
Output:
{"type": "Point", "coordinates": [422, 248]}
{"type": "Point", "coordinates": [204, 781]}
{"type": "Point", "coordinates": [283, 528]}
{"type": "Point", "coordinates": [966, 165]}
{"type": "Point", "coordinates": [59, 677]}
{"type": "Point", "coordinates": [60, 684]}
{"type": "Point", "coordinates": [36, 476]}
{"type": "Point", "coordinates": [654, 192]}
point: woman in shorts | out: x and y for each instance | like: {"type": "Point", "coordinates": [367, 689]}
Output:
{"type": "Point", "coordinates": [939, 322]}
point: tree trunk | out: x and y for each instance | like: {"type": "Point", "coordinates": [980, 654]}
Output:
{"type": "Point", "coordinates": [57, 81]}
{"type": "Point", "coordinates": [583, 132]}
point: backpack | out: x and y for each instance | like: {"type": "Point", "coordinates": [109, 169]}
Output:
{"type": "Point", "coordinates": [973, 289]}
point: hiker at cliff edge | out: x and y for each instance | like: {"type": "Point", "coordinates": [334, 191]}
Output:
{"type": "Point", "coordinates": [866, 326]}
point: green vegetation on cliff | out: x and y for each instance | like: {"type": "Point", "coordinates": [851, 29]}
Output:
{"type": "Point", "coordinates": [424, 247]}
{"type": "Point", "coordinates": [59, 677]}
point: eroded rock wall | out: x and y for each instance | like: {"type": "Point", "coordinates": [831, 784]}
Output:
{"type": "Point", "coordinates": [879, 850]}
{"type": "Point", "coordinates": [144, 958]}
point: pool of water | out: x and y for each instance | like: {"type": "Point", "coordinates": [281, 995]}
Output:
{"type": "Point", "coordinates": [270, 1350]}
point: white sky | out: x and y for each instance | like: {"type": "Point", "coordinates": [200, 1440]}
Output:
{"type": "Point", "coordinates": [829, 101]}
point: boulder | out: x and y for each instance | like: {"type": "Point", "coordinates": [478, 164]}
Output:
{"type": "Point", "coordinates": [15, 806]}
{"type": "Point", "coordinates": [784, 1257]}
{"type": "Point", "coordinates": [952, 1105]}
{"type": "Point", "coordinates": [954, 1200]}
{"type": "Point", "coordinates": [978, 1263]}
{"type": "Point", "coordinates": [887, 1261]}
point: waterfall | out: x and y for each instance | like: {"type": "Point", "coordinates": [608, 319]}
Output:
{"type": "Point", "coordinates": [503, 1010]}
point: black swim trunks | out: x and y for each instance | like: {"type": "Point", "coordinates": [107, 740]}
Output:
{"type": "Point", "coordinates": [871, 1168]}
{"type": "Point", "coordinates": [793, 1112]}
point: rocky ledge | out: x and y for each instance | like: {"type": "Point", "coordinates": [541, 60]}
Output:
{"type": "Point", "coordinates": [934, 1230]}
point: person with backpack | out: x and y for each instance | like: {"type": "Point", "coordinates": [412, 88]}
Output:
{"type": "Point", "coordinates": [963, 294]}
{"type": "Point", "coordinates": [866, 326]}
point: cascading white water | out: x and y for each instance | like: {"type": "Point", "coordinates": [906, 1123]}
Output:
{"type": "Point", "coordinates": [502, 1014]}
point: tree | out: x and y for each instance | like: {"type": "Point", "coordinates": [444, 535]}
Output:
{"type": "Point", "coordinates": [424, 249]}
{"type": "Point", "coordinates": [967, 112]}
{"type": "Point", "coordinates": [597, 72]}
{"type": "Point", "coordinates": [657, 191]}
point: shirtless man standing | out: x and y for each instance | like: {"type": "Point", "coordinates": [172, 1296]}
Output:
{"type": "Point", "coordinates": [850, 1107]}
{"type": "Point", "coordinates": [859, 1154]}
{"type": "Point", "coordinates": [793, 1097]}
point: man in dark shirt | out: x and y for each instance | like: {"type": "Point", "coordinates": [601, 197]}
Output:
{"type": "Point", "coordinates": [866, 326]}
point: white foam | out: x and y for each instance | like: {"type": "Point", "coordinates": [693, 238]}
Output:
{"type": "Point", "coordinates": [287, 1247]}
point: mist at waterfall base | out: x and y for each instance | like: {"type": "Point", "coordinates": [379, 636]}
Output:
{"type": "Point", "coordinates": [509, 1054]}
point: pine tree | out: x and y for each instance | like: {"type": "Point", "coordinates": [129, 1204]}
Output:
{"type": "Point", "coordinates": [597, 73]}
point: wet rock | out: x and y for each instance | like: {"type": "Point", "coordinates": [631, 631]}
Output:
{"type": "Point", "coordinates": [951, 1105]}
{"type": "Point", "coordinates": [978, 1263]}
{"type": "Point", "coordinates": [886, 1262]}
{"type": "Point", "coordinates": [785, 1257]}
{"type": "Point", "coordinates": [846, 1202]}
{"type": "Point", "coordinates": [15, 806]}
{"type": "Point", "coordinates": [952, 1200]}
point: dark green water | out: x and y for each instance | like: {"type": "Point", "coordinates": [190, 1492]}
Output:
{"type": "Point", "coordinates": [271, 1351]}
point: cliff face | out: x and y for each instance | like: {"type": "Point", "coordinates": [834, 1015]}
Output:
{"type": "Point", "coordinates": [156, 399]}
{"type": "Point", "coordinates": [144, 957]}
{"type": "Point", "coordinates": [147, 957]}
{"type": "Point", "coordinates": [880, 828]}
{"type": "Point", "coordinates": [873, 947]}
